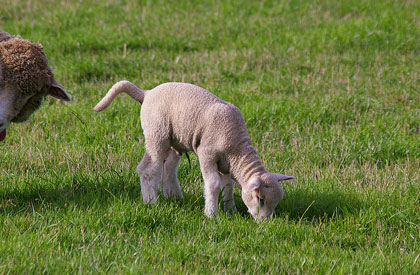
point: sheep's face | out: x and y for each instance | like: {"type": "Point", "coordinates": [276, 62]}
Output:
{"type": "Point", "coordinates": [11, 102]}
{"type": "Point", "coordinates": [263, 193]}
{"type": "Point", "coordinates": [16, 106]}
{"type": "Point", "coordinates": [25, 79]}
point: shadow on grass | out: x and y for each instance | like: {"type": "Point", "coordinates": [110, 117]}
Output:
{"type": "Point", "coordinates": [83, 193]}
{"type": "Point", "coordinates": [309, 204]}
{"type": "Point", "coordinates": [82, 196]}
{"type": "Point", "coordinates": [305, 203]}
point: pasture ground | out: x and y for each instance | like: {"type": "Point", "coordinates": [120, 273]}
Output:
{"type": "Point", "coordinates": [330, 94]}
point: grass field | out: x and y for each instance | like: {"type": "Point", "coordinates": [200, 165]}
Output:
{"type": "Point", "coordinates": [330, 94]}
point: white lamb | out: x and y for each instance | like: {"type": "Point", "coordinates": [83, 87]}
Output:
{"type": "Point", "coordinates": [180, 117]}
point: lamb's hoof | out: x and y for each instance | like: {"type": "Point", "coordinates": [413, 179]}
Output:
{"type": "Point", "coordinates": [149, 199]}
{"type": "Point", "coordinates": [173, 195]}
{"type": "Point", "coordinates": [210, 213]}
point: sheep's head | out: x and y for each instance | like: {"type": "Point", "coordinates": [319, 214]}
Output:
{"type": "Point", "coordinates": [262, 194]}
{"type": "Point", "coordinates": [25, 80]}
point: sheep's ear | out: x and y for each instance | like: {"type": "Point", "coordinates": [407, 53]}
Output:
{"type": "Point", "coordinates": [57, 90]}
{"type": "Point", "coordinates": [253, 184]}
{"type": "Point", "coordinates": [281, 177]}
{"type": "Point", "coordinates": [4, 35]}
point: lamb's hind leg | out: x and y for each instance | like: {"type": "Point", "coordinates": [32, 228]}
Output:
{"type": "Point", "coordinates": [228, 200]}
{"type": "Point", "coordinates": [149, 179]}
{"type": "Point", "coordinates": [151, 167]}
{"type": "Point", "coordinates": [170, 185]}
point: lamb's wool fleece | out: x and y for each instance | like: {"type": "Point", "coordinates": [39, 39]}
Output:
{"type": "Point", "coordinates": [182, 117]}
{"type": "Point", "coordinates": [200, 118]}
{"type": "Point", "coordinates": [25, 65]}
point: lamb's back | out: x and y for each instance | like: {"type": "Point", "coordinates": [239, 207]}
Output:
{"type": "Point", "coordinates": [194, 115]}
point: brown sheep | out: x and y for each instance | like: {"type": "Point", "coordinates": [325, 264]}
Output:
{"type": "Point", "coordinates": [25, 80]}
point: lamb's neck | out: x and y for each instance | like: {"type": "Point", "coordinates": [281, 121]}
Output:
{"type": "Point", "coordinates": [245, 163]}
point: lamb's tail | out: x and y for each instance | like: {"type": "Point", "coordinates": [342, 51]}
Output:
{"type": "Point", "coordinates": [123, 86]}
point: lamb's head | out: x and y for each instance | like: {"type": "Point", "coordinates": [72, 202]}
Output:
{"type": "Point", "coordinates": [25, 80]}
{"type": "Point", "coordinates": [262, 194]}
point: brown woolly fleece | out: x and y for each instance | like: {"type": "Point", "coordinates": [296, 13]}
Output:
{"type": "Point", "coordinates": [25, 80]}
{"type": "Point", "coordinates": [24, 64]}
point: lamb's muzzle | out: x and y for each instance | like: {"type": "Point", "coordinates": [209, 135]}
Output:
{"type": "Point", "coordinates": [181, 117]}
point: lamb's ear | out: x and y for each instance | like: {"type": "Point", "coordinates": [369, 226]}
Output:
{"type": "Point", "coordinates": [57, 90]}
{"type": "Point", "coordinates": [253, 184]}
{"type": "Point", "coordinates": [281, 177]}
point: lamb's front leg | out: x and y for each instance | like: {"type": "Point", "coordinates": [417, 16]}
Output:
{"type": "Point", "coordinates": [228, 200]}
{"type": "Point", "coordinates": [170, 185]}
{"type": "Point", "coordinates": [211, 193]}
{"type": "Point", "coordinates": [212, 185]}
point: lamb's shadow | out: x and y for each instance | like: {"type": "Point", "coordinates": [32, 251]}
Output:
{"type": "Point", "coordinates": [81, 193]}
{"type": "Point", "coordinates": [84, 192]}
{"type": "Point", "coordinates": [308, 204]}
{"type": "Point", "coordinates": [298, 203]}
{"type": "Point", "coordinates": [313, 204]}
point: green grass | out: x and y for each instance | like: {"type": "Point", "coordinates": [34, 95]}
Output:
{"type": "Point", "coordinates": [330, 94]}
